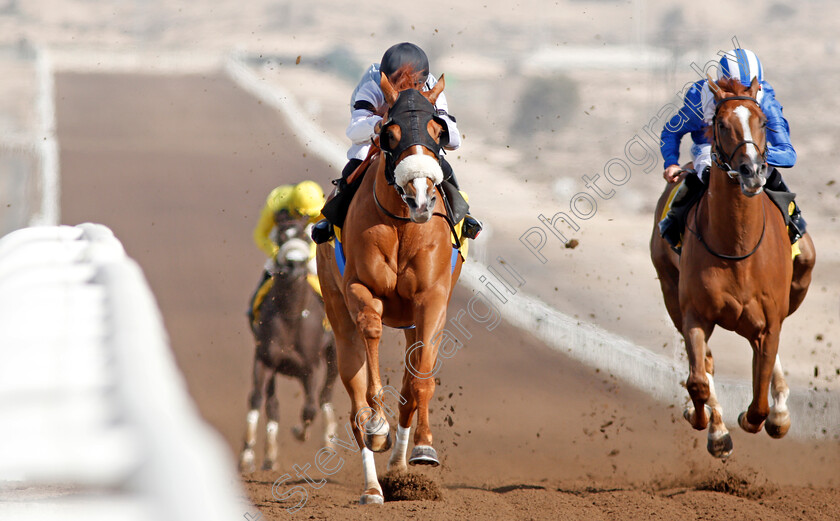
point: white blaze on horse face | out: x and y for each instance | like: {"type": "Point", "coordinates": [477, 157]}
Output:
{"type": "Point", "coordinates": [744, 114]}
{"type": "Point", "coordinates": [420, 190]}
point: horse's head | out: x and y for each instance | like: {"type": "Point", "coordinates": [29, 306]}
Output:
{"type": "Point", "coordinates": [292, 259]}
{"type": "Point", "coordinates": [738, 134]}
{"type": "Point", "coordinates": [289, 234]}
{"type": "Point", "coordinates": [411, 139]}
{"type": "Point", "coordinates": [287, 227]}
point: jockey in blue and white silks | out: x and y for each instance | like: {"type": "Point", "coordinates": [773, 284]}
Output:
{"type": "Point", "coordinates": [699, 108]}
{"type": "Point", "coordinates": [694, 118]}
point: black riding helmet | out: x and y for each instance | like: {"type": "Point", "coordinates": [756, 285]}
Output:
{"type": "Point", "coordinates": [402, 54]}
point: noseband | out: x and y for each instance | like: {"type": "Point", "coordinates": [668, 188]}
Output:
{"type": "Point", "coordinates": [411, 113]}
{"type": "Point", "coordinates": [725, 165]}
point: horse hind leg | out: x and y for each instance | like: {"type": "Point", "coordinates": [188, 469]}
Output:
{"type": "Point", "coordinates": [778, 422]}
{"type": "Point", "coordinates": [325, 399]}
{"type": "Point", "coordinates": [803, 265]}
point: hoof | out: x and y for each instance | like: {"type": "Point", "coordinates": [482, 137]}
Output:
{"type": "Point", "coordinates": [378, 442]}
{"type": "Point", "coordinates": [300, 433]}
{"type": "Point", "coordinates": [720, 447]}
{"type": "Point", "coordinates": [423, 455]}
{"type": "Point", "coordinates": [371, 497]}
{"type": "Point", "coordinates": [778, 425]}
{"type": "Point", "coordinates": [247, 463]}
{"type": "Point", "coordinates": [747, 426]}
{"type": "Point", "coordinates": [269, 465]}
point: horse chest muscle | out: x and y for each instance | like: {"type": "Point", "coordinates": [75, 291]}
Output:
{"type": "Point", "coordinates": [736, 300]}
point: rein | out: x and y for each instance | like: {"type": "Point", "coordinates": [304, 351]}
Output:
{"type": "Point", "coordinates": [724, 165]}
{"type": "Point", "coordinates": [387, 213]}
{"type": "Point", "coordinates": [696, 233]}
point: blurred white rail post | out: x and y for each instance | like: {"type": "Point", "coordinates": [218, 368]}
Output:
{"type": "Point", "coordinates": [47, 144]}
{"type": "Point", "coordinates": [95, 420]}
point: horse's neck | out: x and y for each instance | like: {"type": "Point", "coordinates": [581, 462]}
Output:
{"type": "Point", "coordinates": [386, 194]}
{"type": "Point", "coordinates": [292, 295]}
{"type": "Point", "coordinates": [729, 215]}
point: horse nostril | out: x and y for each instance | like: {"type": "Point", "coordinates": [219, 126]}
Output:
{"type": "Point", "coordinates": [747, 170]}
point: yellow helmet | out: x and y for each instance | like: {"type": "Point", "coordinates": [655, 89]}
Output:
{"type": "Point", "coordinates": [307, 199]}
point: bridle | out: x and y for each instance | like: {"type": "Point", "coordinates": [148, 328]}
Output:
{"type": "Point", "coordinates": [718, 147]}
{"type": "Point", "coordinates": [733, 174]}
{"type": "Point", "coordinates": [411, 112]}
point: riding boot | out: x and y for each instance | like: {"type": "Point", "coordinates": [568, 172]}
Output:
{"type": "Point", "coordinates": [472, 226]}
{"type": "Point", "coordinates": [797, 225]}
{"type": "Point", "coordinates": [672, 226]}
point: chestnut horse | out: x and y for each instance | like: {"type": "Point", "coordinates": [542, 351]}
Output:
{"type": "Point", "coordinates": [735, 270]}
{"type": "Point", "coordinates": [398, 272]}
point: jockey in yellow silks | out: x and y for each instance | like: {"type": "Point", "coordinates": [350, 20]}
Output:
{"type": "Point", "coordinates": [301, 201]}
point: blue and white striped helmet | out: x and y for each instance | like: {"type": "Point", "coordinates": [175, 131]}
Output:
{"type": "Point", "coordinates": [742, 64]}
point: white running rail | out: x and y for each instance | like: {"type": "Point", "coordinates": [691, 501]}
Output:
{"type": "Point", "coordinates": [95, 420]}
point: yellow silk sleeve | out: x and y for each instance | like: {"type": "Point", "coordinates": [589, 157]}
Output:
{"type": "Point", "coordinates": [277, 200]}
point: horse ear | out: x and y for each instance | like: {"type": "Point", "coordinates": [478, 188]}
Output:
{"type": "Point", "coordinates": [715, 88]}
{"type": "Point", "coordinates": [388, 90]}
{"type": "Point", "coordinates": [436, 90]}
{"type": "Point", "coordinates": [755, 86]}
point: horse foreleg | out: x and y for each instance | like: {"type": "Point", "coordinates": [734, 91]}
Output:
{"type": "Point", "coordinates": [353, 371]}
{"type": "Point", "coordinates": [778, 422]}
{"type": "Point", "coordinates": [765, 348]}
{"type": "Point", "coordinates": [803, 264]}
{"type": "Point", "coordinates": [719, 443]}
{"type": "Point", "coordinates": [255, 401]}
{"type": "Point", "coordinates": [272, 413]}
{"type": "Point", "coordinates": [352, 368]}
{"type": "Point", "coordinates": [408, 404]}
{"type": "Point", "coordinates": [310, 382]}
{"type": "Point", "coordinates": [430, 316]}
{"type": "Point", "coordinates": [696, 334]}
{"type": "Point", "coordinates": [368, 317]}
